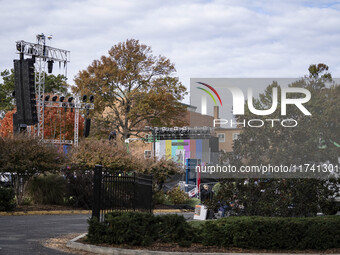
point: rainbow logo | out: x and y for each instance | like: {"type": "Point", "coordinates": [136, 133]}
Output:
{"type": "Point", "coordinates": [209, 93]}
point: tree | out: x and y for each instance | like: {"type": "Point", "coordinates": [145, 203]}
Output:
{"type": "Point", "coordinates": [314, 142]}
{"type": "Point", "coordinates": [161, 170]}
{"type": "Point", "coordinates": [6, 124]}
{"type": "Point", "coordinates": [134, 88]}
{"type": "Point", "coordinates": [25, 156]}
{"type": "Point", "coordinates": [53, 84]}
{"type": "Point", "coordinates": [6, 90]}
{"type": "Point", "coordinates": [276, 197]}
{"type": "Point", "coordinates": [111, 155]}
{"type": "Point", "coordinates": [58, 124]}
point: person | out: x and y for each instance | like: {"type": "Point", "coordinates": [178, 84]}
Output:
{"type": "Point", "coordinates": [205, 193]}
{"type": "Point", "coordinates": [206, 196]}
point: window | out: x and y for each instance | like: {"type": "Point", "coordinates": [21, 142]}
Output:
{"type": "Point", "coordinates": [147, 154]}
{"type": "Point", "coordinates": [221, 137]}
{"type": "Point", "coordinates": [235, 136]}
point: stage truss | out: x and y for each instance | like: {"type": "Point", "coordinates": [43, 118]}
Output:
{"type": "Point", "coordinates": [43, 54]}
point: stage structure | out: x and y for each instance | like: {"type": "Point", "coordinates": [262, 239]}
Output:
{"type": "Point", "coordinates": [77, 106]}
{"type": "Point", "coordinates": [44, 57]}
{"type": "Point", "coordinates": [188, 146]}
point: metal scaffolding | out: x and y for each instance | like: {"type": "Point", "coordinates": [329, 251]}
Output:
{"type": "Point", "coordinates": [42, 53]}
{"type": "Point", "coordinates": [77, 106]}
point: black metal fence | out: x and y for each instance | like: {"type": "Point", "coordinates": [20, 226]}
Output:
{"type": "Point", "coordinates": [120, 191]}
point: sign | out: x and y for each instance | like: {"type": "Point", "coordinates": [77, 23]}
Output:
{"type": "Point", "coordinates": [201, 212]}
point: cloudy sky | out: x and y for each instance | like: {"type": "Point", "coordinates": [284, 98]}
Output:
{"type": "Point", "coordinates": [203, 38]}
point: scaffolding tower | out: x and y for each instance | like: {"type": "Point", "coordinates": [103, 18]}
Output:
{"type": "Point", "coordinates": [42, 55]}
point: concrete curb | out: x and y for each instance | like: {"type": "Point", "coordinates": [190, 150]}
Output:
{"type": "Point", "coordinates": [64, 212]}
{"type": "Point", "coordinates": [45, 212]}
{"type": "Point", "coordinates": [73, 244]}
{"type": "Point", "coordinates": [169, 211]}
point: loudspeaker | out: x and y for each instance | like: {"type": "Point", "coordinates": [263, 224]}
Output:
{"type": "Point", "coordinates": [50, 66]}
{"type": "Point", "coordinates": [87, 126]}
{"type": "Point", "coordinates": [25, 91]}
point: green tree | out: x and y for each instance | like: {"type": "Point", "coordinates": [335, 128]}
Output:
{"type": "Point", "coordinates": [313, 141]}
{"type": "Point", "coordinates": [6, 90]}
{"type": "Point", "coordinates": [54, 84]}
{"type": "Point", "coordinates": [134, 87]}
{"type": "Point", "coordinates": [277, 197]}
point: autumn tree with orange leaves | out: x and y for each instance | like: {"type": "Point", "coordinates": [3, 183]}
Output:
{"type": "Point", "coordinates": [58, 124]}
{"type": "Point", "coordinates": [133, 89]}
{"type": "Point", "coordinates": [6, 124]}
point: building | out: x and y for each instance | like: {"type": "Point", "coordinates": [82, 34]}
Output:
{"type": "Point", "coordinates": [165, 147]}
{"type": "Point", "coordinates": [226, 136]}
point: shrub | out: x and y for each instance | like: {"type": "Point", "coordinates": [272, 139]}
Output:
{"type": "Point", "coordinates": [273, 233]}
{"type": "Point", "coordinates": [7, 199]}
{"type": "Point", "coordinates": [193, 202]}
{"type": "Point", "coordinates": [79, 191]}
{"type": "Point", "coordinates": [131, 228]}
{"type": "Point", "coordinates": [177, 196]}
{"type": "Point", "coordinates": [159, 198]}
{"type": "Point", "coordinates": [136, 228]}
{"type": "Point", "coordinates": [174, 228]}
{"type": "Point", "coordinates": [47, 189]}
{"type": "Point", "coordinates": [26, 200]}
{"type": "Point", "coordinates": [277, 197]}
{"type": "Point", "coordinates": [330, 207]}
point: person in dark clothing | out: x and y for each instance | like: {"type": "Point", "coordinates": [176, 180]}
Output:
{"type": "Point", "coordinates": [205, 193]}
{"type": "Point", "coordinates": [206, 196]}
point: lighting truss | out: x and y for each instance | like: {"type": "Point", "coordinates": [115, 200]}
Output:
{"type": "Point", "coordinates": [80, 106]}
{"type": "Point", "coordinates": [56, 141]}
{"type": "Point", "coordinates": [178, 133]}
{"type": "Point", "coordinates": [43, 51]}
{"type": "Point", "coordinates": [77, 105]}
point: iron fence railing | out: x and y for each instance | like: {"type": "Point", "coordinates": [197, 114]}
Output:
{"type": "Point", "coordinates": [120, 191]}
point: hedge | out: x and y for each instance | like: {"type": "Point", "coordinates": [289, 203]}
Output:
{"type": "Point", "coordinates": [137, 228]}
{"type": "Point", "coordinates": [273, 233]}
{"type": "Point", "coordinates": [7, 199]}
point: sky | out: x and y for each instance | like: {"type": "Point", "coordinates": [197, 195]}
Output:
{"type": "Point", "coordinates": [215, 39]}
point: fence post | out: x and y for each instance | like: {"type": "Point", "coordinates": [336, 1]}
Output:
{"type": "Point", "coordinates": [151, 194]}
{"type": "Point", "coordinates": [97, 181]}
{"type": "Point", "coordinates": [134, 191]}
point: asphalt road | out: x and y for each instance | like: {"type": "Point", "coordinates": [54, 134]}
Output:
{"type": "Point", "coordinates": [23, 234]}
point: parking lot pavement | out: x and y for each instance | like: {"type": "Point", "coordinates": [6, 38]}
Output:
{"type": "Point", "coordinates": [24, 234]}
